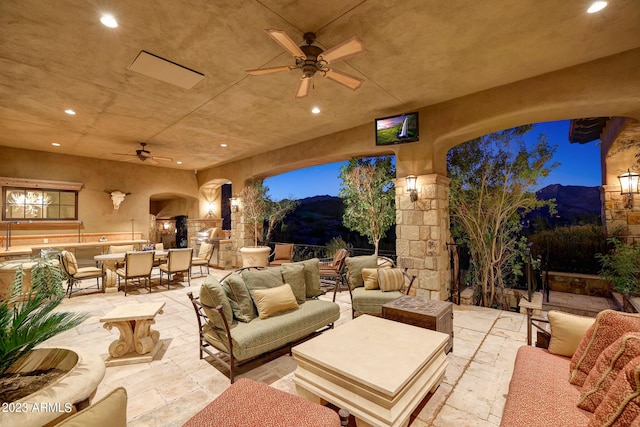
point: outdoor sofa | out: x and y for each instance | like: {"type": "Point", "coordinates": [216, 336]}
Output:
{"type": "Point", "coordinates": [256, 310]}
{"type": "Point", "coordinates": [588, 376]}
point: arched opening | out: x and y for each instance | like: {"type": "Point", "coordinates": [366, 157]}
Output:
{"type": "Point", "coordinates": [169, 216]}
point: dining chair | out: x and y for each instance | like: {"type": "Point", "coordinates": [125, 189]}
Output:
{"type": "Point", "coordinates": [282, 254]}
{"type": "Point", "coordinates": [204, 257]}
{"type": "Point", "coordinates": [76, 274]}
{"type": "Point", "coordinates": [137, 265]}
{"type": "Point", "coordinates": [178, 261]}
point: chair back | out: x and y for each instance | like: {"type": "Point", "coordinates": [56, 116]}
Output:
{"type": "Point", "coordinates": [283, 251]}
{"type": "Point", "coordinates": [179, 259]}
{"type": "Point", "coordinates": [138, 263]}
{"type": "Point", "coordinates": [206, 251]}
{"type": "Point", "coordinates": [120, 249]}
{"type": "Point", "coordinates": [69, 262]}
{"type": "Point", "coordinates": [338, 259]}
{"type": "Point", "coordinates": [159, 247]}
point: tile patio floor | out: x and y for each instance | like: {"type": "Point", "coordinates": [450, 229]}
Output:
{"type": "Point", "coordinates": [176, 384]}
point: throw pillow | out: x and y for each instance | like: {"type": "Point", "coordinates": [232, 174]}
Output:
{"type": "Point", "coordinates": [110, 411]}
{"type": "Point", "coordinates": [293, 274]}
{"type": "Point", "coordinates": [390, 279]}
{"type": "Point", "coordinates": [608, 327]}
{"type": "Point", "coordinates": [370, 278]}
{"type": "Point", "coordinates": [211, 296]}
{"type": "Point", "coordinates": [355, 266]}
{"type": "Point", "coordinates": [608, 365]}
{"type": "Point", "coordinates": [274, 300]}
{"type": "Point", "coordinates": [621, 404]}
{"type": "Point", "coordinates": [262, 279]}
{"type": "Point", "coordinates": [70, 262]}
{"type": "Point", "coordinates": [243, 309]}
{"type": "Point", "coordinates": [566, 332]}
{"type": "Point", "coordinates": [311, 277]}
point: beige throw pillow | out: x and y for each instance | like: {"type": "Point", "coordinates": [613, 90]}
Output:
{"type": "Point", "coordinates": [370, 277]}
{"type": "Point", "coordinates": [274, 300]}
{"type": "Point", "coordinates": [110, 411]}
{"type": "Point", "coordinates": [390, 279]}
{"type": "Point", "coordinates": [566, 332]}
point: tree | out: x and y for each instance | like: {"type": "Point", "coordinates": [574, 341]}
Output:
{"type": "Point", "coordinates": [493, 179]}
{"type": "Point", "coordinates": [276, 212]}
{"type": "Point", "coordinates": [254, 206]}
{"type": "Point", "coordinates": [368, 193]}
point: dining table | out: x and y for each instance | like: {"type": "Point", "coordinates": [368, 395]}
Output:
{"type": "Point", "coordinates": [109, 266]}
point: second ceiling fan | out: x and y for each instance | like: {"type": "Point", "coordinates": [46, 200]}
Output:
{"type": "Point", "coordinates": [312, 59]}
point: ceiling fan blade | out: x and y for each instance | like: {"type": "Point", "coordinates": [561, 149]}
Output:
{"type": "Point", "coordinates": [151, 161]}
{"type": "Point", "coordinates": [164, 159]}
{"type": "Point", "coordinates": [344, 79]}
{"type": "Point", "coordinates": [285, 42]}
{"type": "Point", "coordinates": [344, 50]}
{"type": "Point", "coordinates": [126, 155]}
{"type": "Point", "coordinates": [260, 71]}
{"type": "Point", "coordinates": [303, 87]}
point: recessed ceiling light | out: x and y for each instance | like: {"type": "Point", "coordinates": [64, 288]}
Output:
{"type": "Point", "coordinates": [315, 110]}
{"type": "Point", "coordinates": [55, 144]}
{"type": "Point", "coordinates": [108, 21]}
{"type": "Point", "coordinates": [70, 112]}
{"type": "Point", "coordinates": [223, 145]}
{"type": "Point", "coordinates": [179, 163]}
{"type": "Point", "coordinates": [597, 6]}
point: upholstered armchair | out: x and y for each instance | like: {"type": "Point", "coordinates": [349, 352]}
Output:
{"type": "Point", "coordinates": [178, 261]}
{"type": "Point", "coordinates": [282, 254]}
{"type": "Point", "coordinates": [75, 274]}
{"type": "Point", "coordinates": [137, 265]}
{"type": "Point", "coordinates": [204, 257]}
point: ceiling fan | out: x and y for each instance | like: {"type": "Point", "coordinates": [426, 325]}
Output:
{"type": "Point", "coordinates": [144, 155]}
{"type": "Point", "coordinates": [311, 59]}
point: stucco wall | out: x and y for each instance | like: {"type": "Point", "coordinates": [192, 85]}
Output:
{"type": "Point", "coordinates": [95, 208]}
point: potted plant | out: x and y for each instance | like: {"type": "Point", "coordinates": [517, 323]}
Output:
{"type": "Point", "coordinates": [27, 318]}
{"type": "Point", "coordinates": [621, 266]}
{"type": "Point", "coordinates": [254, 209]}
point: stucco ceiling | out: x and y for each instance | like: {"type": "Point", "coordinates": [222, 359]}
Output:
{"type": "Point", "coordinates": [56, 55]}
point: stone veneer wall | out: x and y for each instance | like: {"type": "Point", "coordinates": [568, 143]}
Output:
{"type": "Point", "coordinates": [617, 215]}
{"type": "Point", "coordinates": [422, 233]}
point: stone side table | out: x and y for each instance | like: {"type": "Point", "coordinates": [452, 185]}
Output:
{"type": "Point", "coordinates": [138, 343]}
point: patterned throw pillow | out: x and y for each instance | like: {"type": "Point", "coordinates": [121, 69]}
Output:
{"type": "Point", "coordinates": [606, 370]}
{"type": "Point", "coordinates": [608, 327]}
{"type": "Point", "coordinates": [621, 404]}
{"type": "Point", "coordinates": [370, 278]}
{"type": "Point", "coordinates": [390, 279]}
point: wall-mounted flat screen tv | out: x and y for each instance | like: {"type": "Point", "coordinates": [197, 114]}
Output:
{"type": "Point", "coordinates": [397, 129]}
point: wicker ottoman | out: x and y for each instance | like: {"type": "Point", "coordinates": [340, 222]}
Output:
{"type": "Point", "coordinates": [249, 403]}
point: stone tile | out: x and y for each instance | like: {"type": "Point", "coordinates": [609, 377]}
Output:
{"type": "Point", "coordinates": [450, 416]}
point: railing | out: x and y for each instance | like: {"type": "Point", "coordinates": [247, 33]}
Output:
{"type": "Point", "coordinates": [571, 254]}
{"type": "Point", "coordinates": [303, 251]}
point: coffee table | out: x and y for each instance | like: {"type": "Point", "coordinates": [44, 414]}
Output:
{"type": "Point", "coordinates": [378, 369]}
{"type": "Point", "coordinates": [138, 342]}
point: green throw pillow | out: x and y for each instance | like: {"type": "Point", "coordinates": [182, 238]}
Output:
{"type": "Point", "coordinates": [243, 308]}
{"type": "Point", "coordinates": [355, 266]}
{"type": "Point", "coordinates": [211, 296]}
{"type": "Point", "coordinates": [311, 277]}
{"type": "Point", "coordinates": [293, 274]}
{"type": "Point", "coordinates": [263, 279]}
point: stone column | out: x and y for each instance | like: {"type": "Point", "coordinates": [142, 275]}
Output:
{"type": "Point", "coordinates": [242, 234]}
{"type": "Point", "coordinates": [422, 233]}
{"type": "Point", "coordinates": [621, 212]}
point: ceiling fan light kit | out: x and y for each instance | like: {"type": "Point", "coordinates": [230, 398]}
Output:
{"type": "Point", "coordinates": [310, 59]}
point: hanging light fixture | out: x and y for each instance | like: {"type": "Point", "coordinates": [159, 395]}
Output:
{"type": "Point", "coordinates": [629, 186]}
{"type": "Point", "coordinates": [412, 187]}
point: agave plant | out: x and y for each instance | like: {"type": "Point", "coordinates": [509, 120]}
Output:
{"type": "Point", "coordinates": [28, 320]}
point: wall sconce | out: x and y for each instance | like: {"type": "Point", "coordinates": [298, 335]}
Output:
{"type": "Point", "coordinates": [412, 187]}
{"type": "Point", "coordinates": [165, 225]}
{"type": "Point", "coordinates": [210, 207]}
{"type": "Point", "coordinates": [235, 204]}
{"type": "Point", "coordinates": [629, 186]}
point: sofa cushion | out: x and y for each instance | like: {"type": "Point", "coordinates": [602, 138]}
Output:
{"type": "Point", "coordinates": [311, 277]}
{"type": "Point", "coordinates": [390, 279]}
{"type": "Point", "coordinates": [262, 335]}
{"type": "Point", "coordinates": [262, 279]}
{"type": "Point", "coordinates": [621, 404]}
{"type": "Point", "coordinates": [110, 411]}
{"type": "Point", "coordinates": [211, 296]}
{"type": "Point", "coordinates": [239, 298]}
{"type": "Point", "coordinates": [608, 327]}
{"type": "Point", "coordinates": [566, 332]}
{"type": "Point", "coordinates": [539, 393]}
{"type": "Point", "coordinates": [274, 300]}
{"type": "Point", "coordinates": [293, 274]}
{"type": "Point", "coordinates": [355, 266]}
{"type": "Point", "coordinates": [608, 365]}
{"type": "Point", "coordinates": [370, 278]}
{"type": "Point", "coordinates": [371, 301]}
